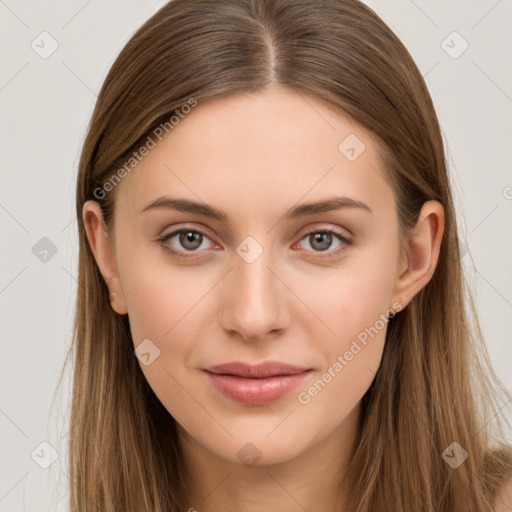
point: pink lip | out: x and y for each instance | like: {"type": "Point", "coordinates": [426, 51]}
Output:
{"type": "Point", "coordinates": [256, 384]}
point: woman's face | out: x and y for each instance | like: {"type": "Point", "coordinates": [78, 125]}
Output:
{"type": "Point", "coordinates": [265, 282]}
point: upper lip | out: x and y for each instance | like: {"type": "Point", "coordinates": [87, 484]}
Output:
{"type": "Point", "coordinates": [262, 370]}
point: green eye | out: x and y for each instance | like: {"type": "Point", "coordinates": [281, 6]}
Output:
{"type": "Point", "coordinates": [321, 240]}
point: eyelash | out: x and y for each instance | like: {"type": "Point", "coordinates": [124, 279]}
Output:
{"type": "Point", "coordinates": [180, 255]}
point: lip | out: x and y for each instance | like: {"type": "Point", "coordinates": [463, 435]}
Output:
{"type": "Point", "coordinates": [256, 384]}
{"type": "Point", "coordinates": [257, 371]}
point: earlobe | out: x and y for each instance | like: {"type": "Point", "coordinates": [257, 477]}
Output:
{"type": "Point", "coordinates": [420, 252]}
{"type": "Point", "coordinates": [103, 251]}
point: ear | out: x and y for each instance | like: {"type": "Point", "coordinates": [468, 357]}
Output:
{"type": "Point", "coordinates": [103, 249]}
{"type": "Point", "coordinates": [420, 253]}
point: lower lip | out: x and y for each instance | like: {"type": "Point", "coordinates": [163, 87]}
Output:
{"type": "Point", "coordinates": [256, 391]}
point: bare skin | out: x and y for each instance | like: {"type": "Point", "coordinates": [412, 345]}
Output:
{"type": "Point", "coordinates": [302, 300]}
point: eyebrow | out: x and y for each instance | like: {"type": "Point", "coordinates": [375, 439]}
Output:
{"type": "Point", "coordinates": [186, 205]}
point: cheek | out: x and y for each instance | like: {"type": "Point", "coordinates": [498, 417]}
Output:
{"type": "Point", "coordinates": [160, 296]}
{"type": "Point", "coordinates": [343, 303]}
{"type": "Point", "coordinates": [357, 315]}
{"type": "Point", "coordinates": [166, 306]}
{"type": "Point", "coordinates": [353, 305]}
{"type": "Point", "coordinates": [353, 353]}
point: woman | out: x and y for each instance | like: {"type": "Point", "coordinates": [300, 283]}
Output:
{"type": "Point", "coordinates": [271, 311]}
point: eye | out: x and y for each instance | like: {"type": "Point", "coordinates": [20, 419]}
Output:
{"type": "Point", "coordinates": [322, 240]}
{"type": "Point", "coordinates": [189, 239]}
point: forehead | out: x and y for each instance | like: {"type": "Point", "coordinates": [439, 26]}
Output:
{"type": "Point", "coordinates": [258, 151]}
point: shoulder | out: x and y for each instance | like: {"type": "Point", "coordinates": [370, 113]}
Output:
{"type": "Point", "coordinates": [504, 499]}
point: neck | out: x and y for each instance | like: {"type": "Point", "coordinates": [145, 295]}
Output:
{"type": "Point", "coordinates": [310, 480]}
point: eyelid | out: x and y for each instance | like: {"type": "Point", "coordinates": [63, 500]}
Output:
{"type": "Point", "coordinates": [329, 229]}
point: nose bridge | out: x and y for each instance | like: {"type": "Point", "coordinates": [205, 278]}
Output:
{"type": "Point", "coordinates": [254, 299]}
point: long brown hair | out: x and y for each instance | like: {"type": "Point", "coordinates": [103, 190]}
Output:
{"type": "Point", "coordinates": [435, 385]}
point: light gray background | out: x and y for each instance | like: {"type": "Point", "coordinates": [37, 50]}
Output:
{"type": "Point", "coordinates": [45, 107]}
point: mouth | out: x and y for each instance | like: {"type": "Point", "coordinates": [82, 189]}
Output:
{"type": "Point", "coordinates": [256, 384]}
{"type": "Point", "coordinates": [257, 371]}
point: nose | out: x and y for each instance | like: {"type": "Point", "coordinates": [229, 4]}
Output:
{"type": "Point", "coordinates": [254, 301]}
